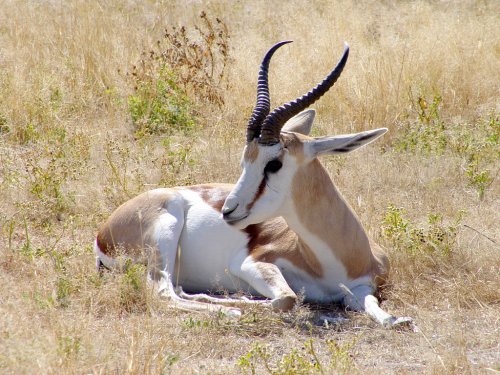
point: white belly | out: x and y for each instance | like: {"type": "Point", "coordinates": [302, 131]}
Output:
{"type": "Point", "coordinates": [207, 246]}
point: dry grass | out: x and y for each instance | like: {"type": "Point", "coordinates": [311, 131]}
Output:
{"type": "Point", "coordinates": [68, 157]}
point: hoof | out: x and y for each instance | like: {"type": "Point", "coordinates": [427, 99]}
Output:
{"type": "Point", "coordinates": [284, 304]}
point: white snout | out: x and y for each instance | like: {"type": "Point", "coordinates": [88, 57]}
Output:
{"type": "Point", "coordinates": [230, 205]}
{"type": "Point", "coordinates": [231, 211]}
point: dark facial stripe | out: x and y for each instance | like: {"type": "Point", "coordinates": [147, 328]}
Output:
{"type": "Point", "coordinates": [260, 191]}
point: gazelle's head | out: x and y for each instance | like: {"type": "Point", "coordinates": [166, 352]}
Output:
{"type": "Point", "coordinates": [278, 146]}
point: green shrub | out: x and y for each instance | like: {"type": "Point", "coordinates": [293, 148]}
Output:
{"type": "Point", "coordinates": [64, 288]}
{"type": "Point", "coordinates": [435, 237]}
{"type": "Point", "coordinates": [176, 73]}
{"type": "Point", "coordinates": [160, 106]}
{"type": "Point", "coordinates": [68, 346]}
{"type": "Point", "coordinates": [427, 133]}
{"type": "Point", "coordinates": [478, 178]}
{"type": "Point", "coordinates": [477, 143]}
{"type": "Point", "coordinates": [480, 148]}
{"type": "Point", "coordinates": [299, 361]}
{"type": "Point", "coordinates": [133, 293]}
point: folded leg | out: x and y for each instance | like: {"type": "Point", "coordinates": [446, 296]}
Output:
{"type": "Point", "coordinates": [266, 279]}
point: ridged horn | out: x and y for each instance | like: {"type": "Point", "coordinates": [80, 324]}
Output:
{"type": "Point", "coordinates": [263, 105]}
{"type": "Point", "coordinates": [271, 127]}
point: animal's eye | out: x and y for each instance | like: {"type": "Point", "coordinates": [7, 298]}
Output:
{"type": "Point", "coordinates": [273, 166]}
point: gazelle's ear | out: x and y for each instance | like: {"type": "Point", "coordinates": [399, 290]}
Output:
{"type": "Point", "coordinates": [301, 123]}
{"type": "Point", "coordinates": [342, 144]}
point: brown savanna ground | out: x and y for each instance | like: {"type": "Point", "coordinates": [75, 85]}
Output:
{"type": "Point", "coordinates": [74, 144]}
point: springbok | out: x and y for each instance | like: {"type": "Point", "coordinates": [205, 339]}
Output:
{"type": "Point", "coordinates": [282, 229]}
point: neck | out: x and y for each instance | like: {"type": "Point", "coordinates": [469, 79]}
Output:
{"type": "Point", "coordinates": [318, 213]}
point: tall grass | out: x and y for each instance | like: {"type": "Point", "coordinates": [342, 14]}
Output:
{"type": "Point", "coordinates": [70, 152]}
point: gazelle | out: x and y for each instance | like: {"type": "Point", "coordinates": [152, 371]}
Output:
{"type": "Point", "coordinates": [282, 229]}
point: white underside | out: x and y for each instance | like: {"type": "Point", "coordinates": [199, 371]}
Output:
{"type": "Point", "coordinates": [208, 245]}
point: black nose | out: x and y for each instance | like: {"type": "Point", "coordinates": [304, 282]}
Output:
{"type": "Point", "coordinates": [226, 211]}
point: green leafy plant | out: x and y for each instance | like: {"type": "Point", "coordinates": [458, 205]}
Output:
{"type": "Point", "coordinates": [133, 293]}
{"type": "Point", "coordinates": [197, 324]}
{"type": "Point", "coordinates": [27, 133]}
{"type": "Point", "coordinates": [64, 288]}
{"type": "Point", "coordinates": [428, 133]}
{"type": "Point", "coordinates": [476, 142]}
{"type": "Point", "coordinates": [168, 361]}
{"type": "Point", "coordinates": [478, 178]}
{"type": "Point", "coordinates": [42, 300]}
{"type": "Point", "coordinates": [160, 106]}
{"type": "Point", "coordinates": [298, 361]}
{"type": "Point", "coordinates": [435, 237]}
{"type": "Point", "coordinates": [69, 346]}
{"type": "Point", "coordinates": [480, 148]}
{"type": "Point", "coordinates": [175, 72]}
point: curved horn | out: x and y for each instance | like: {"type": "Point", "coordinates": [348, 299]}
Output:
{"type": "Point", "coordinates": [263, 105]}
{"type": "Point", "coordinates": [273, 123]}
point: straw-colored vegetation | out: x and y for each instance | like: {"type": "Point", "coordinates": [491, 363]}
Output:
{"type": "Point", "coordinates": [100, 100]}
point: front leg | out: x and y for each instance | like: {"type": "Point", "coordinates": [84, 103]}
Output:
{"type": "Point", "coordinates": [266, 279]}
{"type": "Point", "coordinates": [361, 298]}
